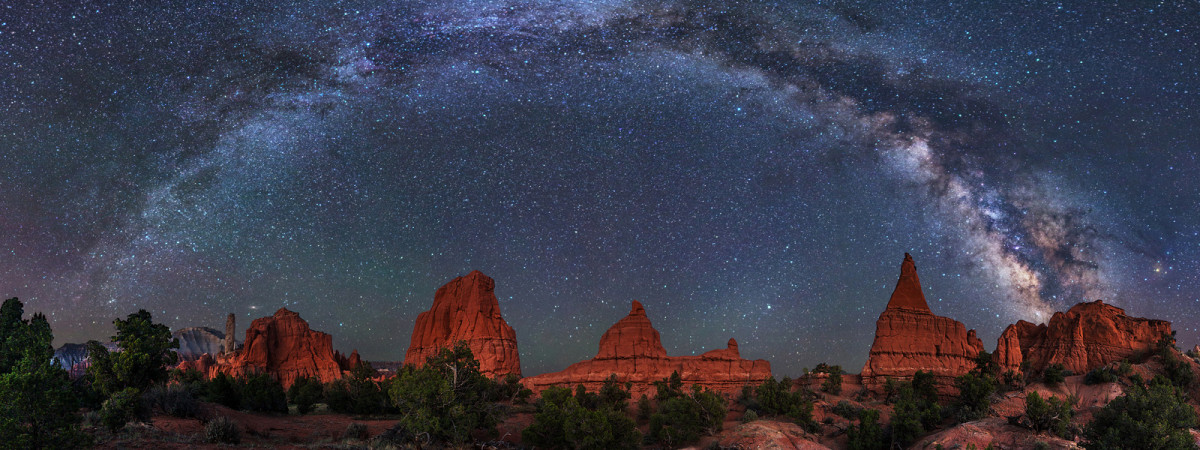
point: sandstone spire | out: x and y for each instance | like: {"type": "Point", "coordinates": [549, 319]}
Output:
{"type": "Point", "coordinates": [230, 329]}
{"type": "Point", "coordinates": [909, 337]}
{"type": "Point", "coordinates": [908, 293]}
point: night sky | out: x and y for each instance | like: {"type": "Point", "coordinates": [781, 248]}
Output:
{"type": "Point", "coordinates": [748, 170]}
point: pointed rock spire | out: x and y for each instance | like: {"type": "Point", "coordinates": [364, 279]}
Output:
{"type": "Point", "coordinates": [908, 293]}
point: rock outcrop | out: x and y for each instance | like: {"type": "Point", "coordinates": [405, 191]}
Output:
{"type": "Point", "coordinates": [196, 341]}
{"type": "Point", "coordinates": [230, 330]}
{"type": "Point", "coordinates": [632, 350]}
{"type": "Point", "coordinates": [284, 347]}
{"type": "Point", "coordinates": [909, 337]}
{"type": "Point", "coordinates": [1087, 336]}
{"type": "Point", "coordinates": [466, 309]}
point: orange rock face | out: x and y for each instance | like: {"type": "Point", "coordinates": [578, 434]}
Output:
{"type": "Point", "coordinates": [909, 337]}
{"type": "Point", "coordinates": [632, 350]}
{"type": "Point", "coordinates": [283, 346]}
{"type": "Point", "coordinates": [466, 309]}
{"type": "Point", "coordinates": [1087, 336]}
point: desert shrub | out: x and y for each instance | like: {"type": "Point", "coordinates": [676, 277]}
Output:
{"type": "Point", "coordinates": [1053, 374]}
{"type": "Point", "coordinates": [846, 409]}
{"type": "Point", "coordinates": [561, 421]}
{"type": "Point", "coordinates": [222, 430]}
{"type": "Point", "coordinates": [173, 400]}
{"type": "Point", "coordinates": [916, 410]}
{"type": "Point", "coordinates": [306, 392]}
{"type": "Point", "coordinates": [223, 389]}
{"type": "Point", "coordinates": [683, 417]}
{"type": "Point", "coordinates": [1100, 375]}
{"type": "Point", "coordinates": [356, 431]}
{"type": "Point", "coordinates": [974, 396]}
{"type": "Point", "coordinates": [776, 398]}
{"type": "Point", "coordinates": [1052, 415]}
{"type": "Point", "coordinates": [262, 393]}
{"type": "Point", "coordinates": [191, 380]}
{"type": "Point", "coordinates": [867, 434]}
{"type": "Point", "coordinates": [1175, 368]}
{"type": "Point", "coordinates": [122, 407]}
{"type": "Point", "coordinates": [749, 416]}
{"type": "Point", "coordinates": [1155, 416]}
{"type": "Point", "coordinates": [833, 378]}
{"type": "Point", "coordinates": [445, 400]}
{"type": "Point", "coordinates": [644, 409]}
{"type": "Point", "coordinates": [357, 393]}
{"type": "Point", "coordinates": [511, 390]}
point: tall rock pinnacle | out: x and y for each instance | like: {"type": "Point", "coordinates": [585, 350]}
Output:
{"type": "Point", "coordinates": [908, 293]}
{"type": "Point", "coordinates": [466, 309]}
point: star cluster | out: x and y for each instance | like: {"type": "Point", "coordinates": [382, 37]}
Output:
{"type": "Point", "coordinates": [752, 170]}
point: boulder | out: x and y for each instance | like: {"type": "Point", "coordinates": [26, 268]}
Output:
{"type": "Point", "coordinates": [632, 350]}
{"type": "Point", "coordinates": [910, 338]}
{"type": "Point", "coordinates": [466, 309]}
{"type": "Point", "coordinates": [1087, 336]}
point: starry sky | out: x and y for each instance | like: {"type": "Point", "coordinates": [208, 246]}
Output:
{"type": "Point", "coordinates": [754, 170]}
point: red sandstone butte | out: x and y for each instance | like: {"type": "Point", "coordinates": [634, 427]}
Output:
{"type": "Point", "coordinates": [466, 309]}
{"type": "Point", "coordinates": [909, 337]}
{"type": "Point", "coordinates": [633, 351]}
{"type": "Point", "coordinates": [284, 347]}
{"type": "Point", "coordinates": [1089, 335]}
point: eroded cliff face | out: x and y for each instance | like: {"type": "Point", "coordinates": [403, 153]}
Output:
{"type": "Point", "coordinates": [910, 338]}
{"type": "Point", "coordinates": [1087, 336]}
{"type": "Point", "coordinates": [632, 350]}
{"type": "Point", "coordinates": [196, 341]}
{"type": "Point", "coordinates": [466, 309]}
{"type": "Point", "coordinates": [282, 346]}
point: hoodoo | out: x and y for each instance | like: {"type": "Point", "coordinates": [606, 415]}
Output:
{"type": "Point", "coordinates": [910, 338]}
{"type": "Point", "coordinates": [632, 350]}
{"type": "Point", "coordinates": [466, 309]}
{"type": "Point", "coordinates": [1087, 336]}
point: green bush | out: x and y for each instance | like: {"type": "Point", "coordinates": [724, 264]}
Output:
{"type": "Point", "coordinates": [847, 410]}
{"type": "Point", "coordinates": [262, 393]}
{"type": "Point", "coordinates": [357, 393]}
{"type": "Point", "coordinates": [445, 400]}
{"type": "Point", "coordinates": [916, 409]}
{"type": "Point", "coordinates": [833, 378]}
{"type": "Point", "coordinates": [223, 389]}
{"type": "Point", "coordinates": [974, 396]}
{"type": "Point", "coordinates": [306, 392]}
{"type": "Point", "coordinates": [1052, 415]}
{"type": "Point", "coordinates": [776, 398]}
{"type": "Point", "coordinates": [222, 430]}
{"type": "Point", "coordinates": [1100, 375]}
{"type": "Point", "coordinates": [1156, 416]}
{"type": "Point", "coordinates": [1053, 374]}
{"type": "Point", "coordinates": [867, 434]}
{"type": "Point", "coordinates": [561, 421]}
{"type": "Point", "coordinates": [173, 400]}
{"type": "Point", "coordinates": [683, 418]}
{"type": "Point", "coordinates": [356, 431]}
{"type": "Point", "coordinates": [121, 408]}
{"type": "Point", "coordinates": [749, 416]}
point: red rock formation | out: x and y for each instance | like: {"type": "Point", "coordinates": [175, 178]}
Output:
{"type": "Point", "coordinates": [285, 347]}
{"type": "Point", "coordinates": [1087, 336]}
{"type": "Point", "coordinates": [466, 309]}
{"type": "Point", "coordinates": [633, 351]}
{"type": "Point", "coordinates": [909, 337]}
